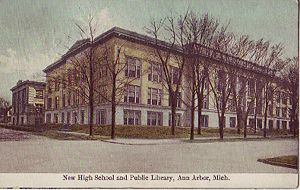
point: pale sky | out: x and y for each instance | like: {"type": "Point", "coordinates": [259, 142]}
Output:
{"type": "Point", "coordinates": [34, 33]}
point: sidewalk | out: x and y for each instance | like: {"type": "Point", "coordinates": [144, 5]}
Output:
{"type": "Point", "coordinates": [126, 141]}
{"type": "Point", "coordinates": [187, 140]}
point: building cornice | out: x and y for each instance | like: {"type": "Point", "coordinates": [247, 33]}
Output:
{"type": "Point", "coordinates": [205, 52]}
{"type": "Point", "coordinates": [28, 82]}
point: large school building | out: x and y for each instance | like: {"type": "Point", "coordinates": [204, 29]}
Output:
{"type": "Point", "coordinates": [144, 99]}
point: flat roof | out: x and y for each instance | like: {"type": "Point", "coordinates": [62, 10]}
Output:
{"type": "Point", "coordinates": [149, 41]}
{"type": "Point", "coordinates": [20, 84]}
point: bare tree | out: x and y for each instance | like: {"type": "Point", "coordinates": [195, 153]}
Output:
{"type": "Point", "coordinates": [172, 62]}
{"type": "Point", "coordinates": [113, 85]}
{"type": "Point", "coordinates": [220, 78]}
{"type": "Point", "coordinates": [199, 32]}
{"type": "Point", "coordinates": [241, 48]}
{"type": "Point", "coordinates": [290, 77]}
{"type": "Point", "coordinates": [96, 74]}
{"type": "Point", "coordinates": [80, 78]}
{"type": "Point", "coordinates": [221, 85]}
{"type": "Point", "coordinates": [4, 108]}
{"type": "Point", "coordinates": [270, 58]}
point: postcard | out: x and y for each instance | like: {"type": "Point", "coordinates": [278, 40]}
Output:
{"type": "Point", "coordinates": [162, 94]}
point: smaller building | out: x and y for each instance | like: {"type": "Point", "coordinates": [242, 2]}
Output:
{"type": "Point", "coordinates": [28, 103]}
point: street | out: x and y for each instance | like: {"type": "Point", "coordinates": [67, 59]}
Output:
{"type": "Point", "coordinates": [43, 155]}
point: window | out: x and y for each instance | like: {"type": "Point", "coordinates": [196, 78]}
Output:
{"type": "Point", "coordinates": [205, 104]}
{"type": "Point", "coordinates": [204, 120]}
{"type": "Point", "coordinates": [62, 117]}
{"type": "Point", "coordinates": [101, 117]}
{"type": "Point", "coordinates": [69, 99]}
{"type": "Point", "coordinates": [284, 112]}
{"type": "Point", "coordinates": [56, 103]}
{"type": "Point", "coordinates": [132, 94]}
{"type": "Point", "coordinates": [39, 94]}
{"type": "Point", "coordinates": [55, 118]}
{"type": "Point", "coordinates": [271, 110]}
{"type": "Point", "coordinates": [270, 93]}
{"type": "Point", "coordinates": [49, 103]}
{"type": "Point", "coordinates": [232, 122]}
{"type": "Point", "coordinates": [259, 107]}
{"type": "Point", "coordinates": [75, 117]}
{"type": "Point", "coordinates": [48, 118]}
{"type": "Point", "coordinates": [82, 116]}
{"type": "Point", "coordinates": [251, 88]}
{"type": "Point", "coordinates": [278, 97]}
{"type": "Point", "coordinates": [284, 124]}
{"type": "Point", "coordinates": [68, 117]}
{"type": "Point", "coordinates": [39, 108]}
{"type": "Point", "coordinates": [259, 123]}
{"type": "Point", "coordinates": [132, 117]}
{"type": "Point", "coordinates": [251, 122]}
{"type": "Point", "coordinates": [154, 96]}
{"type": "Point", "coordinates": [277, 111]}
{"type": "Point", "coordinates": [133, 67]}
{"type": "Point", "coordinates": [284, 98]}
{"type": "Point", "coordinates": [56, 85]}
{"type": "Point", "coordinates": [278, 124]}
{"type": "Point", "coordinates": [76, 78]}
{"type": "Point", "coordinates": [76, 97]}
{"type": "Point", "coordinates": [231, 105]}
{"type": "Point", "coordinates": [102, 95]}
{"type": "Point", "coordinates": [220, 77]}
{"type": "Point", "coordinates": [69, 77]}
{"type": "Point", "coordinates": [177, 119]}
{"type": "Point", "coordinates": [22, 120]}
{"type": "Point", "coordinates": [64, 81]}
{"type": "Point", "coordinates": [154, 118]}
{"type": "Point", "coordinates": [49, 86]}
{"type": "Point", "coordinates": [219, 104]}
{"type": "Point", "coordinates": [63, 100]}
{"type": "Point", "coordinates": [206, 85]}
{"type": "Point", "coordinates": [102, 71]}
{"type": "Point", "coordinates": [178, 100]}
{"type": "Point", "coordinates": [154, 72]}
{"type": "Point", "coordinates": [250, 107]}
{"type": "Point", "coordinates": [270, 124]}
{"type": "Point", "coordinates": [175, 75]}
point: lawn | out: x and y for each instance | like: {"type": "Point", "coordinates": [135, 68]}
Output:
{"type": "Point", "coordinates": [144, 132]}
{"type": "Point", "coordinates": [290, 161]}
{"type": "Point", "coordinates": [156, 132]}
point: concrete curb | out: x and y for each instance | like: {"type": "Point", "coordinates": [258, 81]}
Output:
{"type": "Point", "coordinates": [154, 143]}
{"type": "Point", "coordinates": [181, 140]}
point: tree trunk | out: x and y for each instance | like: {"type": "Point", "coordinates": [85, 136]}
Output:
{"type": "Point", "coordinates": [113, 120]}
{"type": "Point", "coordinates": [173, 114]}
{"type": "Point", "coordinates": [255, 122]}
{"type": "Point", "coordinates": [200, 94]}
{"type": "Point", "coordinates": [245, 127]}
{"type": "Point", "coordinates": [199, 119]}
{"type": "Point", "coordinates": [221, 126]}
{"type": "Point", "coordinates": [239, 123]}
{"type": "Point", "coordinates": [91, 105]}
{"type": "Point", "coordinates": [265, 120]}
{"type": "Point", "coordinates": [113, 109]}
{"type": "Point", "coordinates": [295, 126]}
{"type": "Point", "coordinates": [192, 112]}
{"type": "Point", "coordinates": [91, 91]}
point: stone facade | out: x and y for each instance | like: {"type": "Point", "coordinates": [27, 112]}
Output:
{"type": "Point", "coordinates": [28, 103]}
{"type": "Point", "coordinates": [146, 102]}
